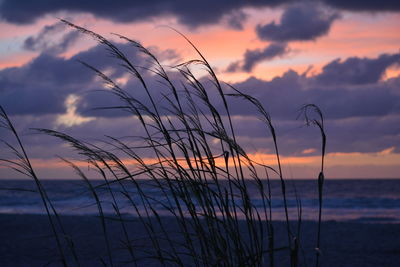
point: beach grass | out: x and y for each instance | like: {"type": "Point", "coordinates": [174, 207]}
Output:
{"type": "Point", "coordinates": [199, 168]}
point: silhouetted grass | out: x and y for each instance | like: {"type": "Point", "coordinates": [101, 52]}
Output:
{"type": "Point", "coordinates": [203, 183]}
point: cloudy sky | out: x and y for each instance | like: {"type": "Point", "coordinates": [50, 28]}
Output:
{"type": "Point", "coordinates": [343, 56]}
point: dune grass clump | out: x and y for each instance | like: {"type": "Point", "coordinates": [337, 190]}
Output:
{"type": "Point", "coordinates": [201, 171]}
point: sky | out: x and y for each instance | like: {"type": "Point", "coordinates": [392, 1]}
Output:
{"type": "Point", "coordinates": [343, 56]}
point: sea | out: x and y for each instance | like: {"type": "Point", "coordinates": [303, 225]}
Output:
{"type": "Point", "coordinates": [358, 200]}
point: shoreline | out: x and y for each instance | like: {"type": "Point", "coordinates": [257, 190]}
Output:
{"type": "Point", "coordinates": [27, 240]}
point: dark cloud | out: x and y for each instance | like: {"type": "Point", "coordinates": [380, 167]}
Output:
{"type": "Point", "coordinates": [361, 134]}
{"type": "Point", "coordinates": [368, 5]}
{"type": "Point", "coordinates": [357, 134]}
{"type": "Point", "coordinates": [44, 40]}
{"type": "Point", "coordinates": [348, 89]}
{"type": "Point", "coordinates": [284, 95]}
{"type": "Point", "coordinates": [92, 131]}
{"type": "Point", "coordinates": [42, 85]}
{"type": "Point", "coordinates": [299, 22]}
{"type": "Point", "coordinates": [356, 70]}
{"type": "Point", "coordinates": [360, 116]}
{"type": "Point", "coordinates": [351, 88]}
{"type": "Point", "coordinates": [35, 43]}
{"type": "Point", "coordinates": [253, 57]}
{"type": "Point", "coordinates": [188, 12]}
{"type": "Point", "coordinates": [302, 22]}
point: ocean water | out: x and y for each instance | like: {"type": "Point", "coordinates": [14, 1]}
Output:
{"type": "Point", "coordinates": [361, 200]}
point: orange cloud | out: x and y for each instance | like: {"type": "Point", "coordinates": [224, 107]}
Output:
{"type": "Point", "coordinates": [309, 151]}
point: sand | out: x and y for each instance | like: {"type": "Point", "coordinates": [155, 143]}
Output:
{"type": "Point", "coordinates": [27, 240]}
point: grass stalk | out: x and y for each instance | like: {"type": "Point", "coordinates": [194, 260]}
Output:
{"type": "Point", "coordinates": [204, 177]}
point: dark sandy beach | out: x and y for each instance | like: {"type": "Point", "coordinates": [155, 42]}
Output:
{"type": "Point", "coordinates": [26, 240]}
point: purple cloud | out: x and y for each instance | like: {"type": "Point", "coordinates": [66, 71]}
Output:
{"type": "Point", "coordinates": [368, 5]}
{"type": "Point", "coordinates": [302, 22]}
{"type": "Point", "coordinates": [42, 85]}
{"type": "Point", "coordinates": [192, 14]}
{"type": "Point", "coordinates": [253, 57]}
{"type": "Point", "coordinates": [356, 70]}
{"type": "Point", "coordinates": [359, 110]}
{"type": "Point", "coordinates": [42, 41]}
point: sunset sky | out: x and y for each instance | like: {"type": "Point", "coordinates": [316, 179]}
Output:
{"type": "Point", "coordinates": [343, 56]}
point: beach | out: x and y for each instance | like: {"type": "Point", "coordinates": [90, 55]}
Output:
{"type": "Point", "coordinates": [27, 240]}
